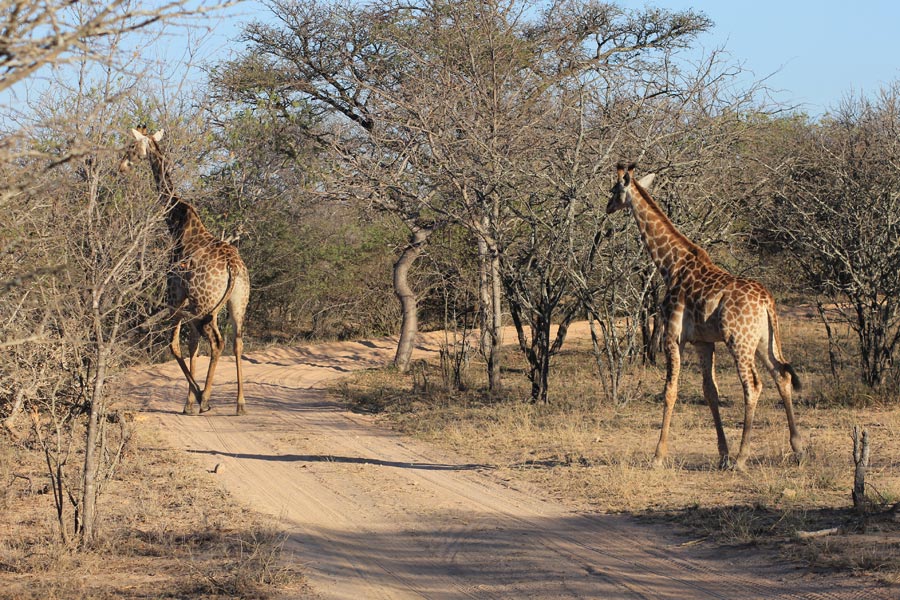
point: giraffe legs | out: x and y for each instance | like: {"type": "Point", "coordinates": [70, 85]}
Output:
{"type": "Point", "coordinates": [193, 351]}
{"type": "Point", "coordinates": [216, 340]}
{"type": "Point", "coordinates": [706, 351]}
{"type": "Point", "coordinates": [673, 370]}
{"type": "Point", "coordinates": [746, 368]}
{"type": "Point", "coordinates": [238, 351]}
{"type": "Point", "coordinates": [193, 388]}
{"type": "Point", "coordinates": [673, 311]}
{"type": "Point", "coordinates": [210, 329]}
{"type": "Point", "coordinates": [216, 345]}
{"type": "Point", "coordinates": [783, 383]}
{"type": "Point", "coordinates": [237, 307]}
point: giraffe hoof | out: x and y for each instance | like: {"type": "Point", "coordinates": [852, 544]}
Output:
{"type": "Point", "coordinates": [240, 411]}
{"type": "Point", "coordinates": [205, 408]}
{"type": "Point", "coordinates": [725, 463]}
{"type": "Point", "coordinates": [189, 410]}
{"type": "Point", "coordinates": [739, 466]}
{"type": "Point", "coordinates": [799, 448]}
{"type": "Point", "coordinates": [658, 462]}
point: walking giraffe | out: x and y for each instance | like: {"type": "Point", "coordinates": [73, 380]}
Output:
{"type": "Point", "coordinates": [205, 274]}
{"type": "Point", "coordinates": [705, 304]}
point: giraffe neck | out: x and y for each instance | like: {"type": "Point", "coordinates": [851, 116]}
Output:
{"type": "Point", "coordinates": [669, 249]}
{"type": "Point", "coordinates": [185, 226]}
{"type": "Point", "coordinates": [159, 166]}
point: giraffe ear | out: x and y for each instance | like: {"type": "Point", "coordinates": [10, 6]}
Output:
{"type": "Point", "coordinates": [158, 136]}
{"type": "Point", "coordinates": [647, 180]}
{"type": "Point", "coordinates": [137, 134]}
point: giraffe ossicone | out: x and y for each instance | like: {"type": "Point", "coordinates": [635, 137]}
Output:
{"type": "Point", "coordinates": [704, 304]}
{"type": "Point", "coordinates": [205, 275]}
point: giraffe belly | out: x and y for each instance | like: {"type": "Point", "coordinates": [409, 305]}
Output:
{"type": "Point", "coordinates": [694, 329]}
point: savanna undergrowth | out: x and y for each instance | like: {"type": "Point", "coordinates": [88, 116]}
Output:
{"type": "Point", "coordinates": [596, 455]}
{"type": "Point", "coordinates": [166, 534]}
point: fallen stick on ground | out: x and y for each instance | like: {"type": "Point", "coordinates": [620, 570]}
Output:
{"type": "Point", "coordinates": [805, 535]}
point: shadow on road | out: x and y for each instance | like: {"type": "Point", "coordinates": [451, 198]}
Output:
{"type": "Point", "coordinates": [355, 460]}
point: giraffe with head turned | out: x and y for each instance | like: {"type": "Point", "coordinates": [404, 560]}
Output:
{"type": "Point", "coordinates": [205, 275]}
{"type": "Point", "coordinates": [705, 304]}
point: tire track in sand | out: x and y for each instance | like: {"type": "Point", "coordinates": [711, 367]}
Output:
{"type": "Point", "coordinates": [373, 515]}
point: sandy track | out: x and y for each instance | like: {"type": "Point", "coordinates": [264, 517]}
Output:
{"type": "Point", "coordinates": [374, 515]}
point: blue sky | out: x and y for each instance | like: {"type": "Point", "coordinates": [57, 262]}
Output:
{"type": "Point", "coordinates": [813, 53]}
{"type": "Point", "coordinates": [816, 52]}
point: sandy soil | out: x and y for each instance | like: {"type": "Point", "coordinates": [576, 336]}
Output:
{"type": "Point", "coordinates": [373, 515]}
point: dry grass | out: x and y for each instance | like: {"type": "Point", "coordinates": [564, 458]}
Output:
{"type": "Point", "coordinates": [164, 533]}
{"type": "Point", "coordinates": [596, 456]}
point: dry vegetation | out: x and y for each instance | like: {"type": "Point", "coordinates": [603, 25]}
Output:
{"type": "Point", "coordinates": [320, 179]}
{"type": "Point", "coordinates": [165, 534]}
{"type": "Point", "coordinates": [596, 456]}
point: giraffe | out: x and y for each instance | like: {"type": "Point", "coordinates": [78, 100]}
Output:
{"type": "Point", "coordinates": [205, 275]}
{"type": "Point", "coordinates": [705, 304]}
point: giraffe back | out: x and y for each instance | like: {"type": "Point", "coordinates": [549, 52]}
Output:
{"type": "Point", "coordinates": [719, 306]}
{"type": "Point", "coordinates": [204, 277]}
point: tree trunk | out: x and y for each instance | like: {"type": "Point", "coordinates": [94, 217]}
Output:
{"type": "Point", "coordinates": [515, 311]}
{"type": "Point", "coordinates": [541, 368]}
{"type": "Point", "coordinates": [488, 314]}
{"type": "Point", "coordinates": [876, 351]}
{"type": "Point", "coordinates": [832, 354]}
{"type": "Point", "coordinates": [409, 324]}
{"type": "Point", "coordinates": [496, 320]}
{"type": "Point", "coordinates": [861, 460]}
{"type": "Point", "coordinates": [539, 349]}
{"type": "Point", "coordinates": [651, 327]}
{"type": "Point", "coordinates": [18, 401]}
{"type": "Point", "coordinates": [89, 491]}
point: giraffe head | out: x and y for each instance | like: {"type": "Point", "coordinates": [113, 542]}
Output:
{"type": "Point", "coordinates": [141, 146]}
{"type": "Point", "coordinates": [625, 187]}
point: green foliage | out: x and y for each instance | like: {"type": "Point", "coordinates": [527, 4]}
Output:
{"type": "Point", "coordinates": [324, 273]}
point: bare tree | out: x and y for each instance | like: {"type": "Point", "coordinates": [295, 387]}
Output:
{"type": "Point", "coordinates": [80, 244]}
{"type": "Point", "coordinates": [61, 33]}
{"type": "Point", "coordinates": [444, 94]}
{"type": "Point", "coordinates": [37, 34]}
{"type": "Point", "coordinates": [87, 316]}
{"type": "Point", "coordinates": [330, 56]}
{"type": "Point", "coordinates": [482, 80]}
{"type": "Point", "coordinates": [837, 212]}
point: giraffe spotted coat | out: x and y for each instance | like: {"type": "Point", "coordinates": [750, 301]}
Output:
{"type": "Point", "coordinates": [205, 275]}
{"type": "Point", "coordinates": [703, 305]}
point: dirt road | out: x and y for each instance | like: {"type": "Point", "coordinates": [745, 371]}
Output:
{"type": "Point", "coordinates": [372, 515]}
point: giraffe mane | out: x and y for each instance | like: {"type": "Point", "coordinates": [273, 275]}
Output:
{"type": "Point", "coordinates": [695, 249]}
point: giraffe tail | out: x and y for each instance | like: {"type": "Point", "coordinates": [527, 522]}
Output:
{"type": "Point", "coordinates": [795, 380]}
{"type": "Point", "coordinates": [775, 349]}
{"type": "Point", "coordinates": [228, 289]}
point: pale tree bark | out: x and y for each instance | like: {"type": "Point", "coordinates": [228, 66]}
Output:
{"type": "Point", "coordinates": [15, 410]}
{"type": "Point", "coordinates": [409, 324]}
{"type": "Point", "coordinates": [97, 410]}
{"type": "Point", "coordinates": [861, 462]}
{"type": "Point", "coordinates": [496, 324]}
{"type": "Point", "coordinates": [490, 308]}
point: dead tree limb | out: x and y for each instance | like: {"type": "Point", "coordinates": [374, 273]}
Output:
{"type": "Point", "coordinates": [861, 459]}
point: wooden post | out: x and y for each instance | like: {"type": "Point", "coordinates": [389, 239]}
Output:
{"type": "Point", "coordinates": [861, 459]}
